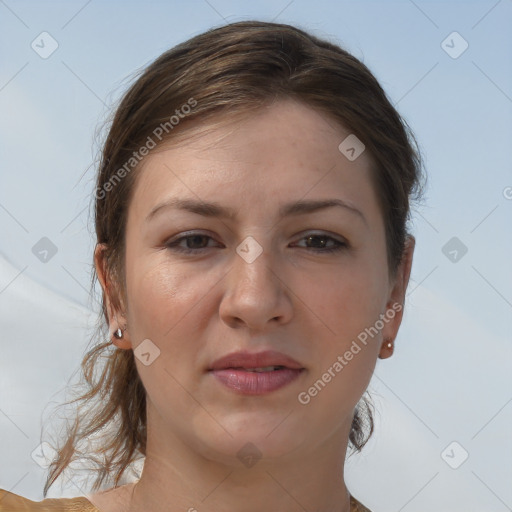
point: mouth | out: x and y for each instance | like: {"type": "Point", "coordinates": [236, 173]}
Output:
{"type": "Point", "coordinates": [256, 374]}
{"type": "Point", "coordinates": [269, 360]}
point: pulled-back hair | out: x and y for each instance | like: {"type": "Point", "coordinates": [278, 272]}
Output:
{"type": "Point", "coordinates": [237, 68]}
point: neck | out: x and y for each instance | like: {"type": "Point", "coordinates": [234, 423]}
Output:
{"type": "Point", "coordinates": [178, 478]}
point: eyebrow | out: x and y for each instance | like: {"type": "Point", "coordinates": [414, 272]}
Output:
{"type": "Point", "coordinates": [213, 209]}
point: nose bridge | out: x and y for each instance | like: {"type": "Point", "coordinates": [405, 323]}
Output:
{"type": "Point", "coordinates": [253, 295]}
{"type": "Point", "coordinates": [252, 268]}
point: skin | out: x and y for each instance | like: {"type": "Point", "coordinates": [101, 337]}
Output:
{"type": "Point", "coordinates": [308, 304]}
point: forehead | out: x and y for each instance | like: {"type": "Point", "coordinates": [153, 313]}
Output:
{"type": "Point", "coordinates": [284, 151]}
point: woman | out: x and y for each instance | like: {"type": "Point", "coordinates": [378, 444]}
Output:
{"type": "Point", "coordinates": [252, 247]}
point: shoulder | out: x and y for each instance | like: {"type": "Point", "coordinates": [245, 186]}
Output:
{"type": "Point", "coordinates": [355, 506]}
{"type": "Point", "coordinates": [10, 502]}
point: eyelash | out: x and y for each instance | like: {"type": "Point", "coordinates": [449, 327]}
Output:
{"type": "Point", "coordinates": [174, 244]}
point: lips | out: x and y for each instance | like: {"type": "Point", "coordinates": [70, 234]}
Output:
{"type": "Point", "coordinates": [260, 361]}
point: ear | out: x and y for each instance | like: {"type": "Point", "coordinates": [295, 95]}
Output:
{"type": "Point", "coordinates": [116, 317]}
{"type": "Point", "coordinates": [395, 304]}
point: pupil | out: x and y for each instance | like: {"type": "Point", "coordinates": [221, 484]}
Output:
{"type": "Point", "coordinates": [317, 238]}
{"type": "Point", "coordinates": [195, 238]}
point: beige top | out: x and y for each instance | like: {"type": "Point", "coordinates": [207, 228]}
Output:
{"type": "Point", "coordinates": [10, 502]}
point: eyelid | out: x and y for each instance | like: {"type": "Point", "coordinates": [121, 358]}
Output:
{"type": "Point", "coordinates": [322, 232]}
{"type": "Point", "coordinates": [340, 242]}
{"type": "Point", "coordinates": [179, 237]}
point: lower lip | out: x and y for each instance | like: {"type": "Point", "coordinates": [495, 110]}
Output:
{"type": "Point", "coordinates": [255, 383]}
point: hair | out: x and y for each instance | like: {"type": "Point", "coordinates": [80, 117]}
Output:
{"type": "Point", "coordinates": [237, 68]}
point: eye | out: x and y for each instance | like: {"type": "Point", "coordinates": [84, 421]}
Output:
{"type": "Point", "coordinates": [322, 242]}
{"type": "Point", "coordinates": [198, 242]}
{"type": "Point", "coordinates": [194, 243]}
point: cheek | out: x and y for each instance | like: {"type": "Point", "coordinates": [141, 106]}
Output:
{"type": "Point", "coordinates": [161, 299]}
{"type": "Point", "coordinates": [347, 300]}
{"type": "Point", "coordinates": [160, 295]}
{"type": "Point", "coordinates": [349, 303]}
{"type": "Point", "coordinates": [171, 306]}
{"type": "Point", "coordinates": [345, 364]}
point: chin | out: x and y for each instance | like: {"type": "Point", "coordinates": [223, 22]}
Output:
{"type": "Point", "coordinates": [254, 436]}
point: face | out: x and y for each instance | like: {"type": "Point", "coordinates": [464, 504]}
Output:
{"type": "Point", "coordinates": [278, 244]}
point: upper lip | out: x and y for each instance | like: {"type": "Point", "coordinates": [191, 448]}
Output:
{"type": "Point", "coordinates": [249, 360]}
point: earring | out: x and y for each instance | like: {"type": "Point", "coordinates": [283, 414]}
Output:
{"type": "Point", "coordinates": [390, 343]}
{"type": "Point", "coordinates": [118, 334]}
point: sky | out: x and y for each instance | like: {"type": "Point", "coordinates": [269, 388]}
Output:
{"type": "Point", "coordinates": [446, 66]}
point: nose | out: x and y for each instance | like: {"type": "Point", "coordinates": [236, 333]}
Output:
{"type": "Point", "coordinates": [255, 294]}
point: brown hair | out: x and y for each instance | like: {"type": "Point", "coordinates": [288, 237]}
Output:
{"type": "Point", "coordinates": [236, 68]}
